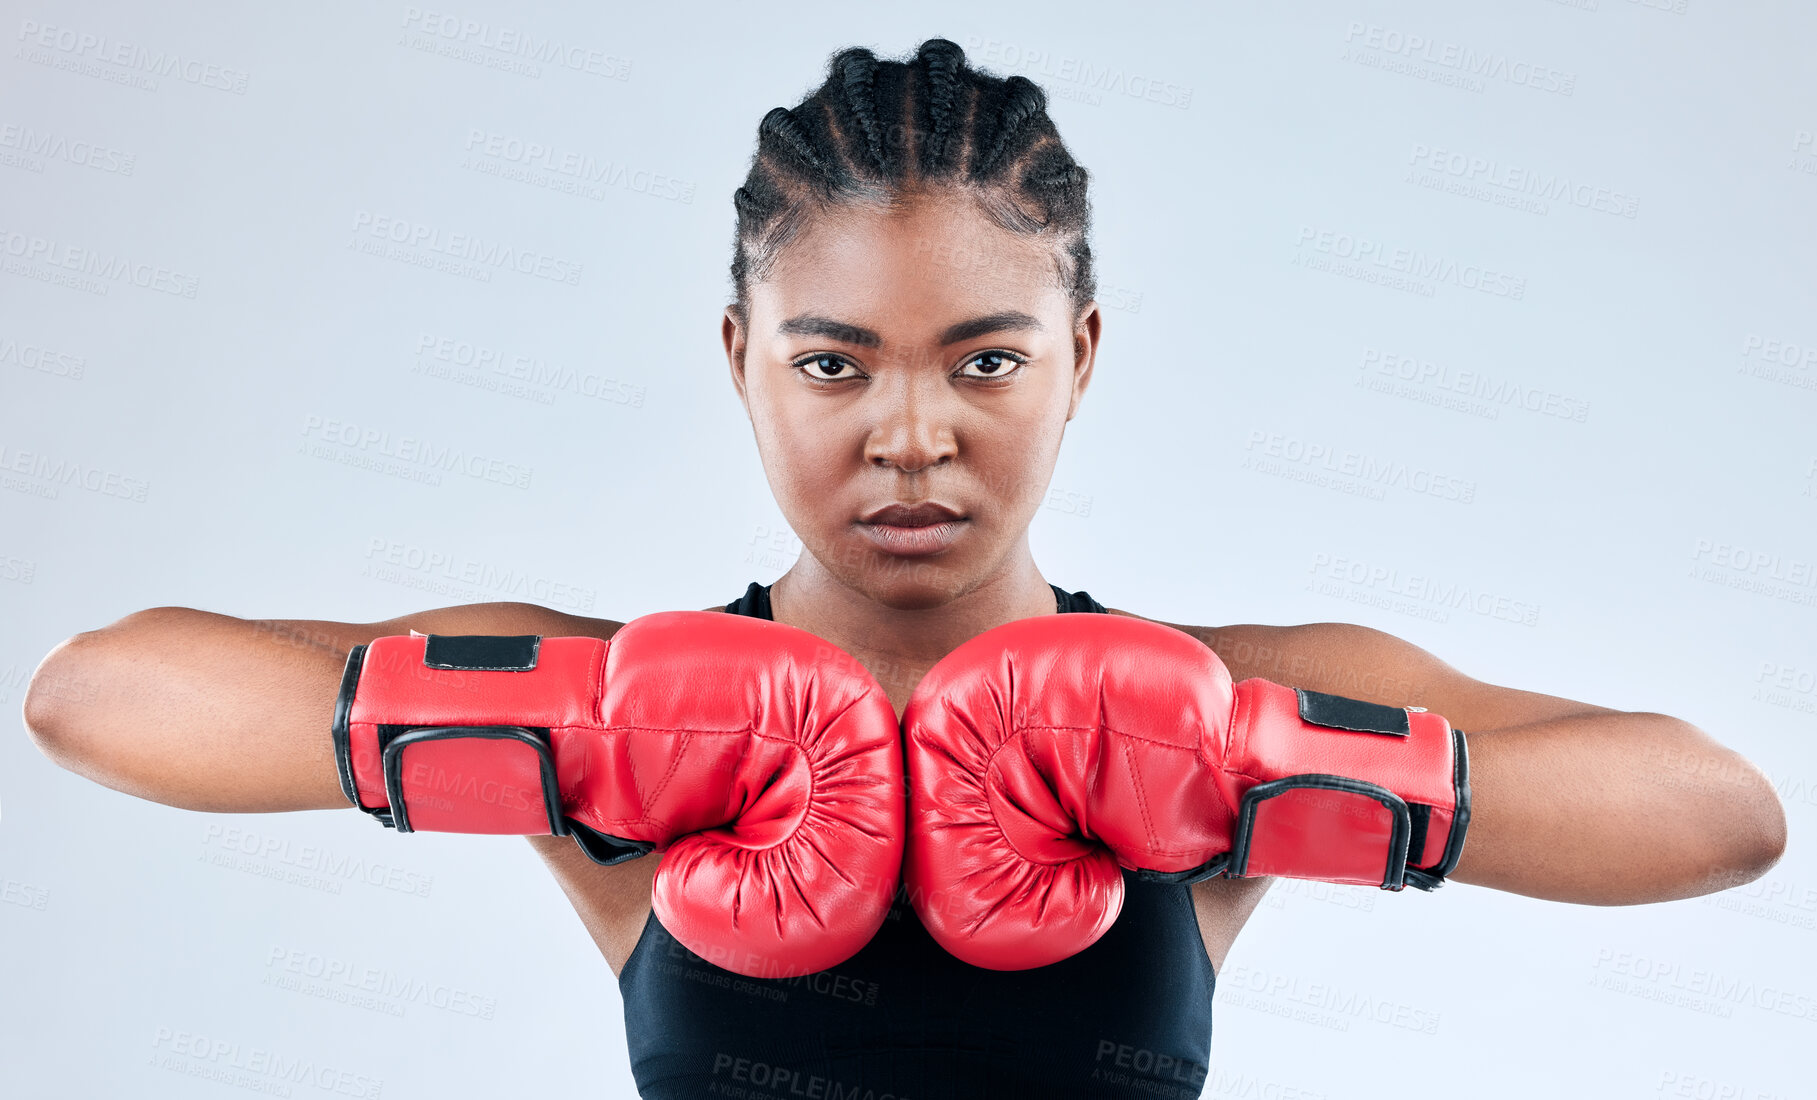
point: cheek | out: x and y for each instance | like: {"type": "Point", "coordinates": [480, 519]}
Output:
{"type": "Point", "coordinates": [1015, 458]}
{"type": "Point", "coordinates": [803, 456]}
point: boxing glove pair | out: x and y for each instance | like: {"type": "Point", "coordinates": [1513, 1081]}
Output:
{"type": "Point", "coordinates": [767, 767]}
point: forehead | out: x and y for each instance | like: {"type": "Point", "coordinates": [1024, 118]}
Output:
{"type": "Point", "coordinates": [931, 257]}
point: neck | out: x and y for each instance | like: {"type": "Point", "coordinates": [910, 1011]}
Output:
{"type": "Point", "coordinates": [899, 645]}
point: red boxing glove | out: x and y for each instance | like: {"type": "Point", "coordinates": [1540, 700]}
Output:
{"type": "Point", "coordinates": [763, 763]}
{"type": "Point", "coordinates": [1047, 753]}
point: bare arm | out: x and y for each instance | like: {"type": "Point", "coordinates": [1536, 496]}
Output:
{"type": "Point", "coordinates": [1569, 801]}
{"type": "Point", "coordinates": [211, 712]}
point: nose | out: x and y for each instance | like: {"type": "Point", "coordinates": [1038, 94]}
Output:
{"type": "Point", "coordinates": [915, 425]}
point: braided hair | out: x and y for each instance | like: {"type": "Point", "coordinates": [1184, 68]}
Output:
{"type": "Point", "coordinates": [877, 130]}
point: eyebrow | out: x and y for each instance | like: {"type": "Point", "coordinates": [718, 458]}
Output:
{"type": "Point", "coordinates": [812, 325]}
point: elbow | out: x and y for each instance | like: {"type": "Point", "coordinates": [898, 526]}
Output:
{"type": "Point", "coordinates": [60, 706]}
{"type": "Point", "coordinates": [1752, 831]}
{"type": "Point", "coordinates": [50, 697]}
{"type": "Point", "coordinates": [1762, 843]}
{"type": "Point", "coordinates": [67, 679]}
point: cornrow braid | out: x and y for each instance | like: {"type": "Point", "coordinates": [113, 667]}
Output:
{"type": "Point", "coordinates": [1024, 102]}
{"type": "Point", "coordinates": [858, 69]}
{"type": "Point", "coordinates": [877, 128]}
{"type": "Point", "coordinates": [782, 125]}
{"type": "Point", "coordinates": [941, 61]}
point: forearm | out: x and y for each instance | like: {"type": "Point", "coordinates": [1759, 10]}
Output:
{"type": "Point", "coordinates": [195, 710]}
{"type": "Point", "coordinates": [1615, 808]}
{"type": "Point", "coordinates": [211, 712]}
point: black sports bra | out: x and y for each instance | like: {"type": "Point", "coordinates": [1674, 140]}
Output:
{"type": "Point", "coordinates": [1130, 1016]}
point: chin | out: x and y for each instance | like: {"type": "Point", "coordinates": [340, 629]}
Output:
{"type": "Point", "coordinates": [916, 600]}
{"type": "Point", "coordinates": [910, 584]}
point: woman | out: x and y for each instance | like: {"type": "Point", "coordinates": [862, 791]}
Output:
{"type": "Point", "coordinates": [913, 327]}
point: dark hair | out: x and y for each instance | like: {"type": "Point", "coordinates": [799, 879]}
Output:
{"type": "Point", "coordinates": [877, 130]}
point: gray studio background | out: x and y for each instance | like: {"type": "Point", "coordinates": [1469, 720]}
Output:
{"type": "Point", "coordinates": [1490, 329]}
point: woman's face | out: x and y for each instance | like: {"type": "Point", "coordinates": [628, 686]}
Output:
{"type": "Point", "coordinates": [913, 356]}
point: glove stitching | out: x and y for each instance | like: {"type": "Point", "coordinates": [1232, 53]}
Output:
{"type": "Point", "coordinates": [1141, 792]}
{"type": "Point", "coordinates": [1241, 752]}
{"type": "Point", "coordinates": [1141, 796]}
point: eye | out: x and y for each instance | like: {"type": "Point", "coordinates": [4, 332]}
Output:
{"type": "Point", "coordinates": [814, 365]}
{"type": "Point", "coordinates": [995, 364]}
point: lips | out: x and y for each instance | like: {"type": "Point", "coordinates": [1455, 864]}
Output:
{"type": "Point", "coordinates": [925, 514]}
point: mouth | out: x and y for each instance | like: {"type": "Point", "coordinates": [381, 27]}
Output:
{"type": "Point", "coordinates": [924, 514]}
{"type": "Point", "coordinates": [913, 531]}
